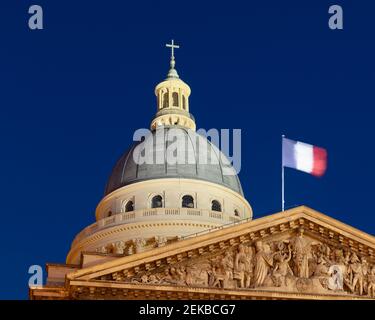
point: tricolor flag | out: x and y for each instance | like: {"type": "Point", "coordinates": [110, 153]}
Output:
{"type": "Point", "coordinates": [304, 157]}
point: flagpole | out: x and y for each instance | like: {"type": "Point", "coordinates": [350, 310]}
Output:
{"type": "Point", "coordinates": [282, 176]}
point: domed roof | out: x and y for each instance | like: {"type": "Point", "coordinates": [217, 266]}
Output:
{"type": "Point", "coordinates": [173, 152]}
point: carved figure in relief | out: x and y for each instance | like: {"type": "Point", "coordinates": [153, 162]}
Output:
{"type": "Point", "coordinates": [189, 277]}
{"type": "Point", "coordinates": [181, 275]}
{"type": "Point", "coordinates": [144, 278]}
{"type": "Point", "coordinates": [130, 249]}
{"type": "Point", "coordinates": [152, 279]}
{"type": "Point", "coordinates": [339, 258]}
{"type": "Point", "coordinates": [263, 262]}
{"type": "Point", "coordinates": [102, 249]}
{"type": "Point", "coordinates": [227, 265]}
{"type": "Point", "coordinates": [217, 273]}
{"type": "Point", "coordinates": [175, 276]}
{"type": "Point", "coordinates": [302, 254]}
{"type": "Point", "coordinates": [118, 247]}
{"type": "Point", "coordinates": [139, 243]}
{"type": "Point", "coordinates": [167, 277]}
{"type": "Point", "coordinates": [197, 275]}
{"type": "Point", "coordinates": [249, 265]}
{"type": "Point", "coordinates": [371, 283]}
{"type": "Point", "coordinates": [282, 269]}
{"type": "Point", "coordinates": [321, 268]}
{"type": "Point", "coordinates": [357, 271]}
{"type": "Point", "coordinates": [240, 262]}
{"type": "Point", "coordinates": [160, 241]}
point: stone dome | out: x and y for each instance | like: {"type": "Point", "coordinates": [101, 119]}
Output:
{"type": "Point", "coordinates": [194, 157]}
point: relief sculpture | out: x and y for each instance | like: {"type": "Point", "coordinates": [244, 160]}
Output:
{"type": "Point", "coordinates": [295, 264]}
{"type": "Point", "coordinates": [301, 254]}
{"type": "Point", "coordinates": [263, 263]}
{"type": "Point", "coordinates": [282, 270]}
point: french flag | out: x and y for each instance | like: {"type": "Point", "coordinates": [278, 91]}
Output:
{"type": "Point", "coordinates": [304, 157]}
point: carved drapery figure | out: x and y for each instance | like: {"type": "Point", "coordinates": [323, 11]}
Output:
{"type": "Point", "coordinates": [181, 275]}
{"type": "Point", "coordinates": [144, 278]}
{"type": "Point", "coordinates": [102, 249]}
{"type": "Point", "coordinates": [240, 262]}
{"type": "Point", "coordinates": [249, 265]}
{"type": "Point", "coordinates": [139, 243]}
{"type": "Point", "coordinates": [321, 268]}
{"type": "Point", "coordinates": [323, 256]}
{"type": "Point", "coordinates": [152, 279]}
{"type": "Point", "coordinates": [371, 283]}
{"type": "Point", "coordinates": [339, 258]}
{"type": "Point", "coordinates": [263, 262]}
{"type": "Point", "coordinates": [160, 241]}
{"type": "Point", "coordinates": [227, 265]}
{"type": "Point", "coordinates": [357, 271]}
{"type": "Point", "coordinates": [167, 277]}
{"type": "Point", "coordinates": [302, 254]}
{"type": "Point", "coordinates": [282, 269]}
{"type": "Point", "coordinates": [217, 272]}
{"type": "Point", "coordinates": [197, 276]}
{"type": "Point", "coordinates": [118, 247]}
{"type": "Point", "coordinates": [174, 275]}
{"type": "Point", "coordinates": [130, 249]}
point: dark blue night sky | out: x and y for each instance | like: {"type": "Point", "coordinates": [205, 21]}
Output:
{"type": "Point", "coordinates": [72, 95]}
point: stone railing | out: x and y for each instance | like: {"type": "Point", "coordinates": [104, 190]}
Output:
{"type": "Point", "coordinates": [155, 214]}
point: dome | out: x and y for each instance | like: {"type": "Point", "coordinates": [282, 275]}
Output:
{"type": "Point", "coordinates": [194, 157]}
{"type": "Point", "coordinates": [173, 182]}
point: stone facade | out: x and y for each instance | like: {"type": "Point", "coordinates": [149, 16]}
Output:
{"type": "Point", "coordinates": [171, 221]}
{"type": "Point", "coordinates": [297, 254]}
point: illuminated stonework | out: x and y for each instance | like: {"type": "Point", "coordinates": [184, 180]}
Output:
{"type": "Point", "coordinates": [296, 254]}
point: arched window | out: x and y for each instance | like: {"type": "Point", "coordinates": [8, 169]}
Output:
{"type": "Point", "coordinates": [236, 213]}
{"type": "Point", "coordinates": [175, 99]}
{"type": "Point", "coordinates": [183, 102]}
{"type": "Point", "coordinates": [157, 202]}
{"type": "Point", "coordinates": [109, 213]}
{"type": "Point", "coordinates": [187, 201]}
{"type": "Point", "coordinates": [215, 205]}
{"type": "Point", "coordinates": [165, 100]}
{"type": "Point", "coordinates": [129, 206]}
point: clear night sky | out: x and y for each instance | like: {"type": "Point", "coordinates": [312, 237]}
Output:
{"type": "Point", "coordinates": [72, 95]}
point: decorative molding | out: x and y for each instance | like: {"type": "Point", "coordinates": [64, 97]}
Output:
{"type": "Point", "coordinates": [267, 258]}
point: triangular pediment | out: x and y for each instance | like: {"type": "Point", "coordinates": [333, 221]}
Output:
{"type": "Point", "coordinates": [296, 251]}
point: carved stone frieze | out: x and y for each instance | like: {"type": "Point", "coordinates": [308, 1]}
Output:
{"type": "Point", "coordinates": [291, 261]}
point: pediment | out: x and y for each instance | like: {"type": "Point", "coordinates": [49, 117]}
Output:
{"type": "Point", "coordinates": [297, 251]}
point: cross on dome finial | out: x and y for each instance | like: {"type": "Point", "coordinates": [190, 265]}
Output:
{"type": "Point", "coordinates": [172, 46]}
{"type": "Point", "coordinates": [172, 72]}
